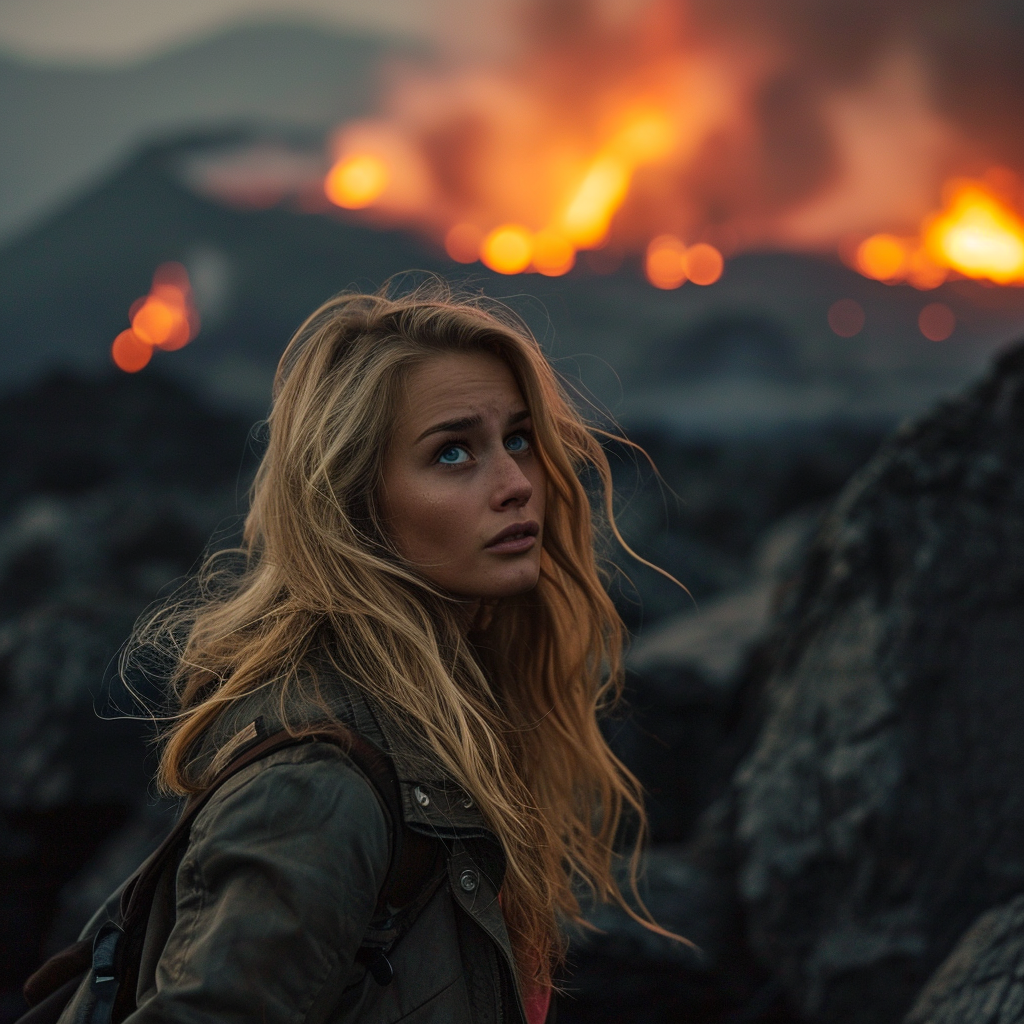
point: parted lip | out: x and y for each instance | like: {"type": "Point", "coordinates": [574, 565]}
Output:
{"type": "Point", "coordinates": [530, 528]}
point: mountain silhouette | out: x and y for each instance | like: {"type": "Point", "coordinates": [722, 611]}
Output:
{"type": "Point", "coordinates": [66, 128]}
{"type": "Point", "coordinates": [752, 349]}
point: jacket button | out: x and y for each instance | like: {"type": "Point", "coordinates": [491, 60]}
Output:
{"type": "Point", "coordinates": [468, 880]}
{"type": "Point", "coordinates": [421, 797]}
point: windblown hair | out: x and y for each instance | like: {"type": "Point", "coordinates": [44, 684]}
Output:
{"type": "Point", "coordinates": [512, 712]}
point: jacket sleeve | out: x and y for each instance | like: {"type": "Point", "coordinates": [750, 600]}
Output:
{"type": "Point", "coordinates": [273, 895]}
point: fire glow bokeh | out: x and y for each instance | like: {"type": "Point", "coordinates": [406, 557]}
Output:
{"type": "Point", "coordinates": [977, 234]}
{"type": "Point", "coordinates": [669, 131]}
{"type": "Point", "coordinates": [165, 319]}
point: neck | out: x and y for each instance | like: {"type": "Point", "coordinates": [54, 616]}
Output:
{"type": "Point", "coordinates": [474, 614]}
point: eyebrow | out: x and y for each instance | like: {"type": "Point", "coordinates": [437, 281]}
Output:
{"type": "Point", "coordinates": [468, 423]}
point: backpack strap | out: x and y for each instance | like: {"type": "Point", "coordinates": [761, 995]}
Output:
{"type": "Point", "coordinates": [413, 873]}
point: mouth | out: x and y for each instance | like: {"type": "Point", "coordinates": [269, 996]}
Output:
{"type": "Point", "coordinates": [514, 539]}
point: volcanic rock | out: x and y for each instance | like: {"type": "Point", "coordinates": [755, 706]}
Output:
{"type": "Point", "coordinates": [982, 980]}
{"type": "Point", "coordinates": [882, 807]}
{"type": "Point", "coordinates": [112, 490]}
{"type": "Point", "coordinates": [690, 708]}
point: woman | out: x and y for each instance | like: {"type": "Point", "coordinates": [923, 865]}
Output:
{"type": "Point", "coordinates": [419, 565]}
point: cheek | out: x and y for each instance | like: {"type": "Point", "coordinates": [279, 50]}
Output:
{"type": "Point", "coordinates": [424, 522]}
{"type": "Point", "coordinates": [539, 479]}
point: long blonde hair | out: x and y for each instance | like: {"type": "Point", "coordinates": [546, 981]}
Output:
{"type": "Point", "coordinates": [512, 715]}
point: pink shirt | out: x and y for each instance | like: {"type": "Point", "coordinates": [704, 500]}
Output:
{"type": "Point", "coordinates": [537, 999]}
{"type": "Point", "coordinates": [537, 1002]}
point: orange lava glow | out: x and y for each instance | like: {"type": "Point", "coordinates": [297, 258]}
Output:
{"type": "Point", "coordinates": [574, 211]}
{"type": "Point", "coordinates": [610, 133]}
{"type": "Point", "coordinates": [507, 249]}
{"type": "Point", "coordinates": [704, 264]}
{"type": "Point", "coordinates": [846, 317]}
{"type": "Point", "coordinates": [166, 318]}
{"type": "Point", "coordinates": [357, 181]}
{"type": "Point", "coordinates": [587, 217]}
{"type": "Point", "coordinates": [670, 263]}
{"type": "Point", "coordinates": [936, 321]}
{"type": "Point", "coordinates": [666, 262]}
{"type": "Point", "coordinates": [977, 234]}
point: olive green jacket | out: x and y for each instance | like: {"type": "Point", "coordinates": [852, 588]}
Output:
{"type": "Point", "coordinates": [261, 921]}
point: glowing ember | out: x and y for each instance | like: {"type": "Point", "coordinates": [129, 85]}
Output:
{"type": "Point", "coordinates": [978, 236]}
{"type": "Point", "coordinates": [666, 262]}
{"type": "Point", "coordinates": [130, 352]}
{"type": "Point", "coordinates": [552, 254]}
{"type": "Point", "coordinates": [462, 243]}
{"type": "Point", "coordinates": [846, 317]}
{"type": "Point", "coordinates": [670, 263]}
{"type": "Point", "coordinates": [507, 249]}
{"type": "Point", "coordinates": [936, 321]}
{"type": "Point", "coordinates": [923, 273]}
{"type": "Point", "coordinates": [882, 257]}
{"type": "Point", "coordinates": [357, 181]}
{"type": "Point", "coordinates": [166, 318]}
{"type": "Point", "coordinates": [704, 264]}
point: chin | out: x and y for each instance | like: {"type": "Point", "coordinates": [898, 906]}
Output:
{"type": "Point", "coordinates": [522, 587]}
{"type": "Point", "coordinates": [513, 586]}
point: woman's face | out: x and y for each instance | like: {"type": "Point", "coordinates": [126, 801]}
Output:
{"type": "Point", "coordinates": [463, 491]}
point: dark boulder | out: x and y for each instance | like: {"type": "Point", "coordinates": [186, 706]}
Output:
{"type": "Point", "coordinates": [882, 807]}
{"type": "Point", "coordinates": [690, 710]}
{"type": "Point", "coordinates": [982, 980]}
{"type": "Point", "coordinates": [704, 515]}
{"type": "Point", "coordinates": [112, 489]}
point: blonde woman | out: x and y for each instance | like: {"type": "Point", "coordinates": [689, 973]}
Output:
{"type": "Point", "coordinates": [419, 567]}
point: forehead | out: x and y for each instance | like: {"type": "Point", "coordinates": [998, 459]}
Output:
{"type": "Point", "coordinates": [455, 385]}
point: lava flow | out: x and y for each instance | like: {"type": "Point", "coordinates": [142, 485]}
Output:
{"type": "Point", "coordinates": [684, 131]}
{"type": "Point", "coordinates": [977, 234]}
{"type": "Point", "coordinates": [165, 319]}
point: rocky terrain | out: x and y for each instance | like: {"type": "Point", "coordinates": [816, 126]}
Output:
{"type": "Point", "coordinates": [111, 490]}
{"type": "Point", "coordinates": [862, 862]}
{"type": "Point", "coordinates": [830, 738]}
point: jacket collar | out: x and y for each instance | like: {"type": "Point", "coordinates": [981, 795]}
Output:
{"type": "Point", "coordinates": [432, 801]}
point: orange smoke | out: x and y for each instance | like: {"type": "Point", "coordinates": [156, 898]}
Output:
{"type": "Point", "coordinates": [581, 219]}
{"type": "Point", "coordinates": [721, 127]}
{"type": "Point", "coordinates": [166, 318]}
{"type": "Point", "coordinates": [523, 166]}
{"type": "Point", "coordinates": [977, 234]}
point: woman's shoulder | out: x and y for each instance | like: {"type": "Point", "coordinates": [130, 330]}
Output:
{"type": "Point", "coordinates": [309, 787]}
{"type": "Point", "coordinates": [270, 708]}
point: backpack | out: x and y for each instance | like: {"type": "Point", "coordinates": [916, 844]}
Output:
{"type": "Point", "coordinates": [112, 956]}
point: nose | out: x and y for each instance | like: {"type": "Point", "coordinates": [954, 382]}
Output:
{"type": "Point", "coordinates": [512, 487]}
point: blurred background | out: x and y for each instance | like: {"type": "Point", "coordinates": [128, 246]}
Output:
{"type": "Point", "coordinates": [757, 234]}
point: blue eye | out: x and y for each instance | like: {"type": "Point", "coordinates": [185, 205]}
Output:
{"type": "Point", "coordinates": [517, 444]}
{"type": "Point", "coordinates": [453, 455]}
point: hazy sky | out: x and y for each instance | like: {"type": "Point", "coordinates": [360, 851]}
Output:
{"type": "Point", "coordinates": [114, 31]}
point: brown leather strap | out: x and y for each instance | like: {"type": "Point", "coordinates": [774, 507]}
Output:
{"type": "Point", "coordinates": [48, 1010]}
{"type": "Point", "coordinates": [57, 971]}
